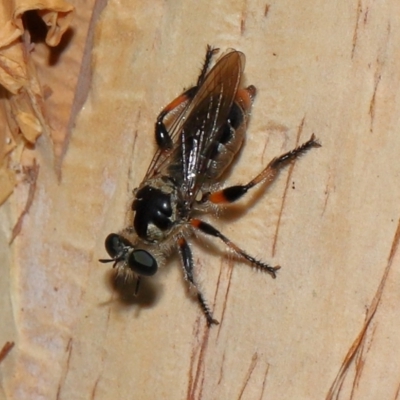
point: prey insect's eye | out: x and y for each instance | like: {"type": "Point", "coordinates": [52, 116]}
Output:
{"type": "Point", "coordinates": [142, 262]}
{"type": "Point", "coordinates": [116, 245]}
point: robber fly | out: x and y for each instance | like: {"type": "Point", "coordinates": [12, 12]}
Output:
{"type": "Point", "coordinates": [198, 134]}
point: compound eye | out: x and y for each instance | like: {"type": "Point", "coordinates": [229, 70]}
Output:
{"type": "Point", "coordinates": [142, 262]}
{"type": "Point", "coordinates": [115, 245]}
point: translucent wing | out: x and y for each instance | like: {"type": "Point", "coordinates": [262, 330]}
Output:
{"type": "Point", "coordinates": [207, 117]}
{"type": "Point", "coordinates": [197, 128]}
{"type": "Point", "coordinates": [173, 122]}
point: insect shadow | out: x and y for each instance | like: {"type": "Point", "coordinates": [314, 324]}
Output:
{"type": "Point", "coordinates": [149, 295]}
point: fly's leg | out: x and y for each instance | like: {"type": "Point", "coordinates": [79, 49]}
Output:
{"type": "Point", "coordinates": [163, 138]}
{"type": "Point", "coordinates": [211, 51]}
{"type": "Point", "coordinates": [268, 174]}
{"type": "Point", "coordinates": [211, 231]}
{"type": "Point", "coordinates": [188, 265]}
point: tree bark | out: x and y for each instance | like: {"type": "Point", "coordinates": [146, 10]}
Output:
{"type": "Point", "coordinates": [327, 326]}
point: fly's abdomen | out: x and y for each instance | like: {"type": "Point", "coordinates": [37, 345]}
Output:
{"type": "Point", "coordinates": [230, 138]}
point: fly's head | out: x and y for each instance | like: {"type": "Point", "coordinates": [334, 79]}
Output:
{"type": "Point", "coordinates": [129, 260]}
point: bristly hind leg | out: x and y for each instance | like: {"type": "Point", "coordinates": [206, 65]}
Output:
{"type": "Point", "coordinates": [268, 174]}
{"type": "Point", "coordinates": [211, 231]}
{"type": "Point", "coordinates": [188, 265]}
{"type": "Point", "coordinates": [163, 138]}
{"type": "Point", "coordinates": [211, 51]}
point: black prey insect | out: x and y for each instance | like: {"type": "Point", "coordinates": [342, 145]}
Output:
{"type": "Point", "coordinates": [198, 134]}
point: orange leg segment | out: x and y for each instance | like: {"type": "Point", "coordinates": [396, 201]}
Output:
{"type": "Point", "coordinates": [268, 174]}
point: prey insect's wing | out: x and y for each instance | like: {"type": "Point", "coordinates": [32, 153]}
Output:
{"type": "Point", "coordinates": [198, 125]}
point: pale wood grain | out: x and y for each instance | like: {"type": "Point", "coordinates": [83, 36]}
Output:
{"type": "Point", "coordinates": [331, 221]}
